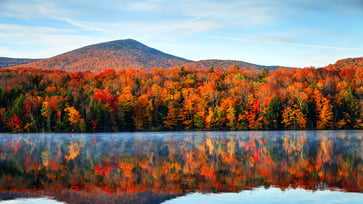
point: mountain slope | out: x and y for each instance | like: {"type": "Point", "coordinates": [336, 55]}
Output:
{"type": "Point", "coordinates": [12, 62]}
{"type": "Point", "coordinates": [115, 55]}
{"type": "Point", "coordinates": [124, 54]}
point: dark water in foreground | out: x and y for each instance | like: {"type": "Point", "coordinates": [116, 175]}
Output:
{"type": "Point", "coordinates": [183, 167]}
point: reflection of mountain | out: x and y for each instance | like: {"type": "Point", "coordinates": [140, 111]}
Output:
{"type": "Point", "coordinates": [95, 197]}
{"type": "Point", "coordinates": [14, 195]}
{"type": "Point", "coordinates": [132, 165]}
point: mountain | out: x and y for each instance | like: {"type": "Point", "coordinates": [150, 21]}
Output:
{"type": "Point", "coordinates": [123, 54]}
{"type": "Point", "coordinates": [225, 64]}
{"type": "Point", "coordinates": [12, 62]}
{"type": "Point", "coordinates": [115, 54]}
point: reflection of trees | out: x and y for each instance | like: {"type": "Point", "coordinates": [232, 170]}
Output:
{"type": "Point", "coordinates": [174, 165]}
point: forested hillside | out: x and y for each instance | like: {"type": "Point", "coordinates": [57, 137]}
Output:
{"type": "Point", "coordinates": [35, 100]}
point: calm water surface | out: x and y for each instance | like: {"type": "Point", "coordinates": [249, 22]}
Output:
{"type": "Point", "coordinates": [183, 167]}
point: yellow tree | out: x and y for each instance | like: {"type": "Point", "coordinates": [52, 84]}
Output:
{"type": "Point", "coordinates": [227, 106]}
{"type": "Point", "coordinates": [188, 107]}
{"type": "Point", "coordinates": [293, 118]}
{"type": "Point", "coordinates": [171, 120]}
{"type": "Point", "coordinates": [296, 94]}
{"type": "Point", "coordinates": [46, 112]}
{"type": "Point", "coordinates": [325, 111]}
{"type": "Point", "coordinates": [143, 112]}
{"type": "Point", "coordinates": [74, 117]}
{"type": "Point", "coordinates": [210, 119]}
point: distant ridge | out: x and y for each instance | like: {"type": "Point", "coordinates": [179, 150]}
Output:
{"type": "Point", "coordinates": [12, 62]}
{"type": "Point", "coordinates": [225, 64]}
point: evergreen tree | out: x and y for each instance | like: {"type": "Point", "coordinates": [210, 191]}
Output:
{"type": "Point", "coordinates": [273, 114]}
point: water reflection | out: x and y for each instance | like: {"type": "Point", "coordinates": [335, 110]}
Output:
{"type": "Point", "coordinates": [272, 196]}
{"type": "Point", "coordinates": [153, 167]}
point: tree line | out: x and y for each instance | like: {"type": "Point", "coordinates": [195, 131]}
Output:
{"type": "Point", "coordinates": [38, 100]}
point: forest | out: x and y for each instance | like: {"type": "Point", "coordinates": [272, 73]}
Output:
{"type": "Point", "coordinates": [177, 98]}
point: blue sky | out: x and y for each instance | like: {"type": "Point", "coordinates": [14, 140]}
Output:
{"type": "Point", "coordinates": [269, 32]}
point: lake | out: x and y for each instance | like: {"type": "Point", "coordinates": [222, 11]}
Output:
{"type": "Point", "coordinates": [183, 167]}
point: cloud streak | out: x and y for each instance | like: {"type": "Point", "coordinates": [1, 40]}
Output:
{"type": "Point", "coordinates": [285, 42]}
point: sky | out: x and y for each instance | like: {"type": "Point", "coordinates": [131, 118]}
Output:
{"type": "Point", "coordinates": [297, 33]}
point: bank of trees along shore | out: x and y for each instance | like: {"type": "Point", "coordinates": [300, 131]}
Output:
{"type": "Point", "coordinates": [36, 100]}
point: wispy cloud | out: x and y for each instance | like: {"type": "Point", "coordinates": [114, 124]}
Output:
{"type": "Point", "coordinates": [40, 41]}
{"type": "Point", "coordinates": [289, 43]}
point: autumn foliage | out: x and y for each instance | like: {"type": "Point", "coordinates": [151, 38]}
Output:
{"type": "Point", "coordinates": [34, 100]}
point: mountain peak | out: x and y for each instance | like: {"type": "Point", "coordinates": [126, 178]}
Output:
{"type": "Point", "coordinates": [117, 45]}
{"type": "Point", "coordinates": [123, 41]}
